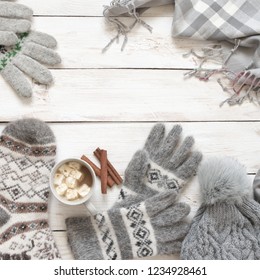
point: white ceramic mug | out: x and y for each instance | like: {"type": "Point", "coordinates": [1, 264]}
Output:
{"type": "Point", "coordinates": [85, 200]}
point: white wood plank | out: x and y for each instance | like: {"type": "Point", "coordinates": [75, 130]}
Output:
{"type": "Point", "coordinates": [83, 8]}
{"type": "Point", "coordinates": [239, 140]}
{"type": "Point", "coordinates": [125, 95]}
{"type": "Point", "coordinates": [81, 41]}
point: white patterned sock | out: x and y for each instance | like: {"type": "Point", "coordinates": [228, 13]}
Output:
{"type": "Point", "coordinates": [27, 154]}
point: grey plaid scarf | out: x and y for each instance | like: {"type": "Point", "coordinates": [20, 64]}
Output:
{"type": "Point", "coordinates": [234, 25]}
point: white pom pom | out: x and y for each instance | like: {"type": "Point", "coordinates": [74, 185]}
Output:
{"type": "Point", "coordinates": [223, 179]}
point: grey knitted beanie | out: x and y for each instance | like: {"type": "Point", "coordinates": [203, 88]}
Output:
{"type": "Point", "coordinates": [227, 225]}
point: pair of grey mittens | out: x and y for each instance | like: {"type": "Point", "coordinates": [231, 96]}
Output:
{"type": "Point", "coordinates": [25, 53]}
{"type": "Point", "coordinates": [148, 220]}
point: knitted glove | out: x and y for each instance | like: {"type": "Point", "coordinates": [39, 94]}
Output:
{"type": "Point", "coordinates": [26, 58]}
{"type": "Point", "coordinates": [14, 18]}
{"type": "Point", "coordinates": [227, 225]}
{"type": "Point", "coordinates": [165, 163]}
{"type": "Point", "coordinates": [155, 226]}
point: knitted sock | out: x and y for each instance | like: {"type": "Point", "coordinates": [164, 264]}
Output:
{"type": "Point", "coordinates": [27, 153]}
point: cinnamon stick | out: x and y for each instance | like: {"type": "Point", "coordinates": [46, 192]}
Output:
{"type": "Point", "coordinates": [103, 175]}
{"type": "Point", "coordinates": [111, 169]}
{"type": "Point", "coordinates": [110, 181]}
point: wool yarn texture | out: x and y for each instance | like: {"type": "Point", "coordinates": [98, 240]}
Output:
{"type": "Point", "coordinates": [14, 19]}
{"type": "Point", "coordinates": [227, 224]}
{"type": "Point", "coordinates": [27, 155]}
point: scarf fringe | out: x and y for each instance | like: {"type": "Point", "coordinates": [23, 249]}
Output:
{"type": "Point", "coordinates": [244, 85]}
{"type": "Point", "coordinates": [122, 29]}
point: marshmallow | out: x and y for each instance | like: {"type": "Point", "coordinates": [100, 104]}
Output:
{"type": "Point", "coordinates": [65, 170]}
{"type": "Point", "coordinates": [84, 190]}
{"type": "Point", "coordinates": [71, 182]}
{"type": "Point", "coordinates": [61, 189]}
{"type": "Point", "coordinates": [58, 179]}
{"type": "Point", "coordinates": [77, 175]}
{"type": "Point", "coordinates": [75, 165]}
{"type": "Point", "coordinates": [71, 194]}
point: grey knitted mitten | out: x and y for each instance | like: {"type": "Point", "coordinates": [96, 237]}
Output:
{"type": "Point", "coordinates": [14, 18]}
{"type": "Point", "coordinates": [27, 154]}
{"type": "Point", "coordinates": [227, 225]}
{"type": "Point", "coordinates": [153, 227]}
{"type": "Point", "coordinates": [27, 58]}
{"type": "Point", "coordinates": [165, 163]}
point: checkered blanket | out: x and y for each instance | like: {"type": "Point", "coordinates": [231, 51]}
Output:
{"type": "Point", "coordinates": [237, 22]}
{"type": "Point", "coordinates": [217, 20]}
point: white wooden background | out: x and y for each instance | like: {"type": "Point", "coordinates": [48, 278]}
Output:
{"type": "Point", "coordinates": [112, 100]}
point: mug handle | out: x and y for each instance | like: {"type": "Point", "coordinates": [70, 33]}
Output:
{"type": "Point", "coordinates": [91, 208]}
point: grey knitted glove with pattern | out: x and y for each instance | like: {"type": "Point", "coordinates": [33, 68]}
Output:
{"type": "Point", "coordinates": [28, 57]}
{"type": "Point", "coordinates": [14, 19]}
{"type": "Point", "coordinates": [152, 227]}
{"type": "Point", "coordinates": [165, 163]}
